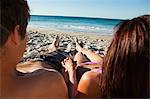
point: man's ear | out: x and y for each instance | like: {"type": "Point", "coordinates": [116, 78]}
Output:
{"type": "Point", "coordinates": [15, 37]}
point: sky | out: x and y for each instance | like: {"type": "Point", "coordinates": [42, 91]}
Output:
{"type": "Point", "coordinates": [113, 9]}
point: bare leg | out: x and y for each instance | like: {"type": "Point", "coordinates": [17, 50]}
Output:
{"type": "Point", "coordinates": [30, 66]}
{"type": "Point", "coordinates": [79, 58]}
{"type": "Point", "coordinates": [90, 54]}
{"type": "Point", "coordinates": [55, 44]}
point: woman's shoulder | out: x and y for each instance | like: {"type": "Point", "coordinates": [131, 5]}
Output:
{"type": "Point", "coordinates": [91, 76]}
{"type": "Point", "coordinates": [89, 85]}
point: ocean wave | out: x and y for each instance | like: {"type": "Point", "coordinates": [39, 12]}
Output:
{"type": "Point", "coordinates": [74, 24]}
{"type": "Point", "coordinates": [88, 28]}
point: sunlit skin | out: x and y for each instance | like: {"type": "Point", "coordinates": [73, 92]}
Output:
{"type": "Point", "coordinates": [41, 83]}
{"type": "Point", "coordinates": [88, 86]}
{"type": "Point", "coordinates": [89, 78]}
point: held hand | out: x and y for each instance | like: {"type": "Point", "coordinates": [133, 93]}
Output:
{"type": "Point", "coordinates": [69, 64]}
{"type": "Point", "coordinates": [70, 67]}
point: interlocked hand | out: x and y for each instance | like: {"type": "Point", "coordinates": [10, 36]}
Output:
{"type": "Point", "coordinates": [68, 64]}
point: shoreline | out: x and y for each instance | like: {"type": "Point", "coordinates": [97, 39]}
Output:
{"type": "Point", "coordinates": [91, 36]}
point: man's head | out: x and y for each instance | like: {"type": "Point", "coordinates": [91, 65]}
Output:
{"type": "Point", "coordinates": [13, 13]}
{"type": "Point", "coordinates": [13, 37]}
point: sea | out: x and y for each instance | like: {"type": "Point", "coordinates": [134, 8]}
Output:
{"type": "Point", "coordinates": [101, 26]}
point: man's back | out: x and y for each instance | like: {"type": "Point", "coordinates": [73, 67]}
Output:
{"type": "Point", "coordinates": [39, 84]}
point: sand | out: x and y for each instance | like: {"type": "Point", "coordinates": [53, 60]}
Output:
{"type": "Point", "coordinates": [41, 38]}
{"type": "Point", "coordinates": [90, 36]}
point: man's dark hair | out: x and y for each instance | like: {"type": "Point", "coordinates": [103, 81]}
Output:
{"type": "Point", "coordinates": [12, 13]}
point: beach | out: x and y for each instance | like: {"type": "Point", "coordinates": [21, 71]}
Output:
{"type": "Point", "coordinates": [41, 38]}
{"type": "Point", "coordinates": [93, 33]}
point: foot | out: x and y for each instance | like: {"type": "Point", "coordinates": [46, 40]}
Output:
{"type": "Point", "coordinates": [78, 47]}
{"type": "Point", "coordinates": [56, 41]}
{"type": "Point", "coordinates": [55, 44]}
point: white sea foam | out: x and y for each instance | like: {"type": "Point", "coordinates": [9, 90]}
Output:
{"type": "Point", "coordinates": [87, 25]}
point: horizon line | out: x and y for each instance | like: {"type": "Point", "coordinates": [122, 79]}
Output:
{"type": "Point", "coordinates": [77, 17]}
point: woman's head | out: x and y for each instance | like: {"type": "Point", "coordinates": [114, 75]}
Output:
{"type": "Point", "coordinates": [126, 64]}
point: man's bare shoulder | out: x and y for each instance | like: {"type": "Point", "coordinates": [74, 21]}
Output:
{"type": "Point", "coordinates": [45, 83]}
